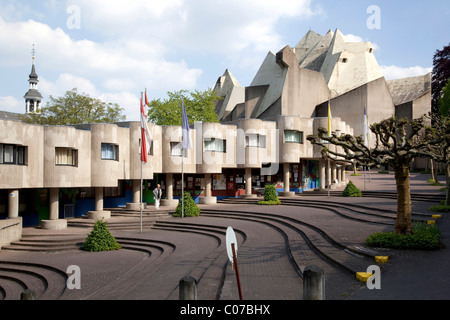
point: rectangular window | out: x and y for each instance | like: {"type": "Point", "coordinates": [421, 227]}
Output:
{"type": "Point", "coordinates": [110, 151]}
{"type": "Point", "coordinates": [214, 144]}
{"type": "Point", "coordinates": [255, 140]}
{"type": "Point", "coordinates": [293, 136]}
{"type": "Point", "coordinates": [175, 149]}
{"type": "Point", "coordinates": [13, 154]}
{"type": "Point", "coordinates": [66, 157]}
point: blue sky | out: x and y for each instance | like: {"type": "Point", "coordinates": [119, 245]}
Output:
{"type": "Point", "coordinates": [114, 49]}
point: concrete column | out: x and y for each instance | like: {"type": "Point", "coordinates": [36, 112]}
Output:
{"type": "Point", "coordinates": [13, 204]}
{"type": "Point", "coordinates": [333, 171]}
{"type": "Point", "coordinates": [169, 186]}
{"type": "Point", "coordinates": [208, 192]}
{"type": "Point", "coordinates": [338, 174]}
{"type": "Point", "coordinates": [169, 201]}
{"type": "Point", "coordinates": [54, 223]}
{"type": "Point", "coordinates": [136, 191]}
{"type": "Point", "coordinates": [248, 183]}
{"type": "Point", "coordinates": [98, 199]}
{"type": "Point", "coordinates": [328, 173]}
{"type": "Point", "coordinates": [54, 204]}
{"type": "Point", "coordinates": [343, 174]}
{"type": "Point", "coordinates": [99, 213]}
{"type": "Point", "coordinates": [322, 174]}
{"type": "Point", "coordinates": [136, 197]}
{"type": "Point", "coordinates": [208, 198]}
{"type": "Point", "coordinates": [286, 175]}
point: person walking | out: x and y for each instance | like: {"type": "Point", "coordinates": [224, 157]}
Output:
{"type": "Point", "coordinates": [158, 194]}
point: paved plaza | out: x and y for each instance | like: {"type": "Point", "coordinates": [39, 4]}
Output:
{"type": "Point", "coordinates": [275, 244]}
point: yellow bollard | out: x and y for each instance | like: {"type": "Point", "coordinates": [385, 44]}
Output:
{"type": "Point", "coordinates": [363, 276]}
{"type": "Point", "coordinates": [381, 259]}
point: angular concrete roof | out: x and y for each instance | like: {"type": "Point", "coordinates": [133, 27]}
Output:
{"type": "Point", "coordinates": [231, 91]}
{"type": "Point", "coordinates": [344, 65]}
{"type": "Point", "coordinates": [407, 89]}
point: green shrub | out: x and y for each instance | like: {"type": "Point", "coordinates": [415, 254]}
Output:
{"type": "Point", "coordinates": [270, 196]}
{"type": "Point", "coordinates": [190, 207]}
{"type": "Point", "coordinates": [383, 172]}
{"type": "Point", "coordinates": [274, 202]}
{"type": "Point", "coordinates": [441, 207]}
{"type": "Point", "coordinates": [100, 239]}
{"type": "Point", "coordinates": [351, 190]}
{"type": "Point", "coordinates": [423, 237]}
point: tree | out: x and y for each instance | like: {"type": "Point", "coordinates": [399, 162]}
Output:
{"type": "Point", "coordinates": [441, 152]}
{"type": "Point", "coordinates": [444, 101]}
{"type": "Point", "coordinates": [440, 75]}
{"type": "Point", "coordinates": [74, 108]}
{"type": "Point", "coordinates": [396, 143]}
{"type": "Point", "coordinates": [200, 106]}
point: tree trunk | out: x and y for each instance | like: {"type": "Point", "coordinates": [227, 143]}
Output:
{"type": "Point", "coordinates": [432, 171]}
{"type": "Point", "coordinates": [447, 175]}
{"type": "Point", "coordinates": [436, 167]}
{"type": "Point", "coordinates": [403, 222]}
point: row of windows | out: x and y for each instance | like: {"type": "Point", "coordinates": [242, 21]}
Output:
{"type": "Point", "coordinates": [15, 154]}
{"type": "Point", "coordinates": [12, 154]}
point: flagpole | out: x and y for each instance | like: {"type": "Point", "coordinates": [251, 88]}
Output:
{"type": "Point", "coordinates": [329, 135]}
{"type": "Point", "coordinates": [140, 203]}
{"type": "Point", "coordinates": [182, 182]}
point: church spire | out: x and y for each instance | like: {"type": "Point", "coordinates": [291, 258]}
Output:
{"type": "Point", "coordinates": [33, 97]}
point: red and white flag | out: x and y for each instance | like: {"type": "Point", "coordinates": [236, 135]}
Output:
{"type": "Point", "coordinates": [145, 134]}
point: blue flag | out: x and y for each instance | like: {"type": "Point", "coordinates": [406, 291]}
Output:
{"type": "Point", "coordinates": [186, 144]}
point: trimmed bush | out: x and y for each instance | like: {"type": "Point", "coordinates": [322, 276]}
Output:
{"type": "Point", "coordinates": [441, 207]}
{"type": "Point", "coordinates": [351, 190]}
{"type": "Point", "coordinates": [423, 237]}
{"type": "Point", "coordinates": [270, 196]}
{"type": "Point", "coordinates": [190, 207]}
{"type": "Point", "coordinates": [100, 239]}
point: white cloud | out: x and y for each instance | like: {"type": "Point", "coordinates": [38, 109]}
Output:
{"type": "Point", "coordinates": [11, 104]}
{"type": "Point", "coordinates": [396, 72]}
{"type": "Point", "coordinates": [123, 47]}
{"type": "Point", "coordinates": [355, 38]}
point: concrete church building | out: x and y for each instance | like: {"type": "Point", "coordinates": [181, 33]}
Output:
{"type": "Point", "coordinates": [51, 173]}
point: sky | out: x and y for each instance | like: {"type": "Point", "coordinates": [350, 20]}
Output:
{"type": "Point", "coordinates": [114, 49]}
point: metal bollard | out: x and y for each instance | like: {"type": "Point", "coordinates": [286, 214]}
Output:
{"type": "Point", "coordinates": [313, 283]}
{"type": "Point", "coordinates": [27, 295]}
{"type": "Point", "coordinates": [187, 288]}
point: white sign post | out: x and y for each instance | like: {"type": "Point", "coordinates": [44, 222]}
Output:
{"type": "Point", "coordinates": [231, 244]}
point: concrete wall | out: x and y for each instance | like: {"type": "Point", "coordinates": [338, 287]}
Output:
{"type": "Point", "coordinates": [291, 152]}
{"type": "Point", "coordinates": [56, 176]}
{"type": "Point", "coordinates": [297, 99]}
{"type": "Point", "coordinates": [30, 175]}
{"type": "Point", "coordinates": [173, 164]}
{"type": "Point", "coordinates": [349, 107]}
{"type": "Point", "coordinates": [106, 173]}
{"type": "Point", "coordinates": [10, 230]}
{"type": "Point", "coordinates": [255, 157]}
{"type": "Point", "coordinates": [212, 161]}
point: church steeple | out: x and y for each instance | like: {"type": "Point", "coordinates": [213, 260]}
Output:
{"type": "Point", "coordinates": [33, 98]}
